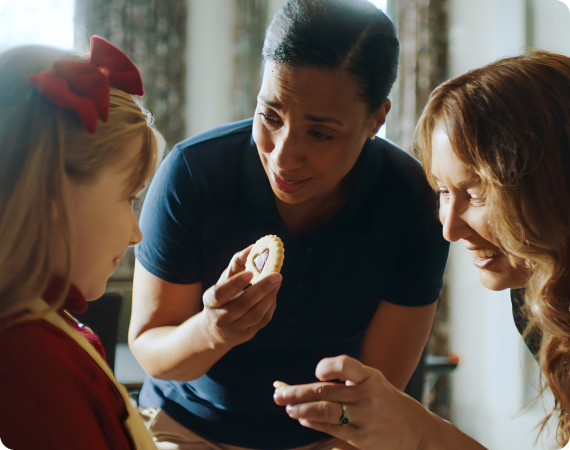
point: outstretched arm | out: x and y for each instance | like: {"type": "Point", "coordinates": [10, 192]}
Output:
{"type": "Point", "coordinates": [380, 415]}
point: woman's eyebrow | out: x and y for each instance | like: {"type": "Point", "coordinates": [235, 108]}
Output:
{"type": "Point", "coordinates": [473, 182]}
{"type": "Point", "coordinates": [277, 105]}
{"type": "Point", "coordinates": [322, 119]}
{"type": "Point", "coordinates": [271, 103]}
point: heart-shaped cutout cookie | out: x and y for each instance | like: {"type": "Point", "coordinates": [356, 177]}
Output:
{"type": "Point", "coordinates": [259, 260]}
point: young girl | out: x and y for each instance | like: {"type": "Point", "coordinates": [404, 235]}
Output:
{"type": "Point", "coordinates": [495, 143]}
{"type": "Point", "coordinates": [76, 149]}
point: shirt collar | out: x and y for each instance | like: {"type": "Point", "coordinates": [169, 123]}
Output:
{"type": "Point", "coordinates": [74, 302]}
{"type": "Point", "coordinates": [366, 169]}
{"type": "Point", "coordinates": [257, 195]}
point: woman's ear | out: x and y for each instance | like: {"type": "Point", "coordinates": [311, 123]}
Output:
{"type": "Point", "coordinates": [379, 117]}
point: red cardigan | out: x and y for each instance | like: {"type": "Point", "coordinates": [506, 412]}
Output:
{"type": "Point", "coordinates": [54, 395]}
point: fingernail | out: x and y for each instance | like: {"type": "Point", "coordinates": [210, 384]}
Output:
{"type": "Point", "coordinates": [274, 278]}
{"type": "Point", "coordinates": [289, 408]}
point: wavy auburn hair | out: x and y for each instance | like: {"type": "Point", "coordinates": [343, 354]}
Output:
{"type": "Point", "coordinates": [39, 144]}
{"type": "Point", "coordinates": [510, 123]}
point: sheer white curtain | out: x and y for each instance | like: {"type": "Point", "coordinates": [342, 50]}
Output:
{"type": "Point", "coordinates": [383, 5]}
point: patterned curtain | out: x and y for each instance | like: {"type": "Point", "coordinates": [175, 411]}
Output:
{"type": "Point", "coordinates": [423, 32]}
{"type": "Point", "coordinates": [250, 25]}
{"type": "Point", "coordinates": [153, 34]}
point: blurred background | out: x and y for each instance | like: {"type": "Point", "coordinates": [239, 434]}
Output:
{"type": "Point", "coordinates": [200, 62]}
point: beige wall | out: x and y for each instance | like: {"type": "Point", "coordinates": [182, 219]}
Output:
{"type": "Point", "coordinates": [552, 26]}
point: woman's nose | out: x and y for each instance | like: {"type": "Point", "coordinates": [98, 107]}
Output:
{"type": "Point", "coordinates": [287, 153]}
{"type": "Point", "coordinates": [454, 226]}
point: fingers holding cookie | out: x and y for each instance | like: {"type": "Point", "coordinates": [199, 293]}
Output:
{"type": "Point", "coordinates": [226, 290]}
{"type": "Point", "coordinates": [259, 301]}
{"type": "Point", "coordinates": [233, 314]}
{"type": "Point", "coordinates": [237, 264]}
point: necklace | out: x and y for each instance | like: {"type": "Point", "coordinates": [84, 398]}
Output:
{"type": "Point", "coordinates": [79, 324]}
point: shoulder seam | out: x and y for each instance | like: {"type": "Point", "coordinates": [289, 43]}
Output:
{"type": "Point", "coordinates": [246, 128]}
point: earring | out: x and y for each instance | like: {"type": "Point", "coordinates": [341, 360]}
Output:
{"type": "Point", "coordinates": [372, 137]}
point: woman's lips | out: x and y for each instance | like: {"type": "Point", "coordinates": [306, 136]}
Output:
{"type": "Point", "coordinates": [483, 263]}
{"type": "Point", "coordinates": [483, 258]}
{"type": "Point", "coordinates": [289, 187]}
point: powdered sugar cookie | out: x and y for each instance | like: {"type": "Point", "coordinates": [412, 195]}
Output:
{"type": "Point", "coordinates": [265, 257]}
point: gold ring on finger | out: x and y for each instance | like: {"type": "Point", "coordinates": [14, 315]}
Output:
{"type": "Point", "coordinates": [345, 418]}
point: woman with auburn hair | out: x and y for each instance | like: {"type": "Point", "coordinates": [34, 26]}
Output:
{"type": "Point", "coordinates": [495, 144]}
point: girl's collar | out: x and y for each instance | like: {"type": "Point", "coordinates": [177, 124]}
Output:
{"type": "Point", "coordinates": [74, 302]}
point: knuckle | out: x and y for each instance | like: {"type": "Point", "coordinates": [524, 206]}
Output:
{"type": "Point", "coordinates": [209, 297]}
{"type": "Point", "coordinates": [222, 318]}
{"type": "Point", "coordinates": [373, 400]}
{"type": "Point", "coordinates": [240, 303]}
{"type": "Point", "coordinates": [256, 316]}
{"type": "Point", "coordinates": [324, 412]}
{"type": "Point", "coordinates": [321, 392]}
{"type": "Point", "coordinates": [296, 396]}
{"type": "Point", "coordinates": [215, 292]}
{"type": "Point", "coordinates": [235, 259]}
{"type": "Point", "coordinates": [267, 318]}
{"type": "Point", "coordinates": [344, 361]}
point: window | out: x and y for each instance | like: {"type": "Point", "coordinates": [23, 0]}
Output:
{"type": "Point", "coordinates": [47, 22]}
{"type": "Point", "coordinates": [381, 4]}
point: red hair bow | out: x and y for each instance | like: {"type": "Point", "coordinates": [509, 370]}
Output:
{"type": "Point", "coordinates": [85, 88]}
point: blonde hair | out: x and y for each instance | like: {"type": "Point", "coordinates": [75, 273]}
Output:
{"type": "Point", "coordinates": [510, 123]}
{"type": "Point", "coordinates": [39, 143]}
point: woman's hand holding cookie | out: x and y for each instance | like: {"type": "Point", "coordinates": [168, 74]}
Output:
{"type": "Point", "coordinates": [232, 315]}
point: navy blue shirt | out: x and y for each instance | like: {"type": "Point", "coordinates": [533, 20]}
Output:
{"type": "Point", "coordinates": [211, 198]}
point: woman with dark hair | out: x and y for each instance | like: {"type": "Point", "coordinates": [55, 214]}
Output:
{"type": "Point", "coordinates": [495, 144]}
{"type": "Point", "coordinates": [364, 253]}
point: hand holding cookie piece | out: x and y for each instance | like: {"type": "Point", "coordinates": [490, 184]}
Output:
{"type": "Point", "coordinates": [265, 257]}
{"type": "Point", "coordinates": [279, 385]}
